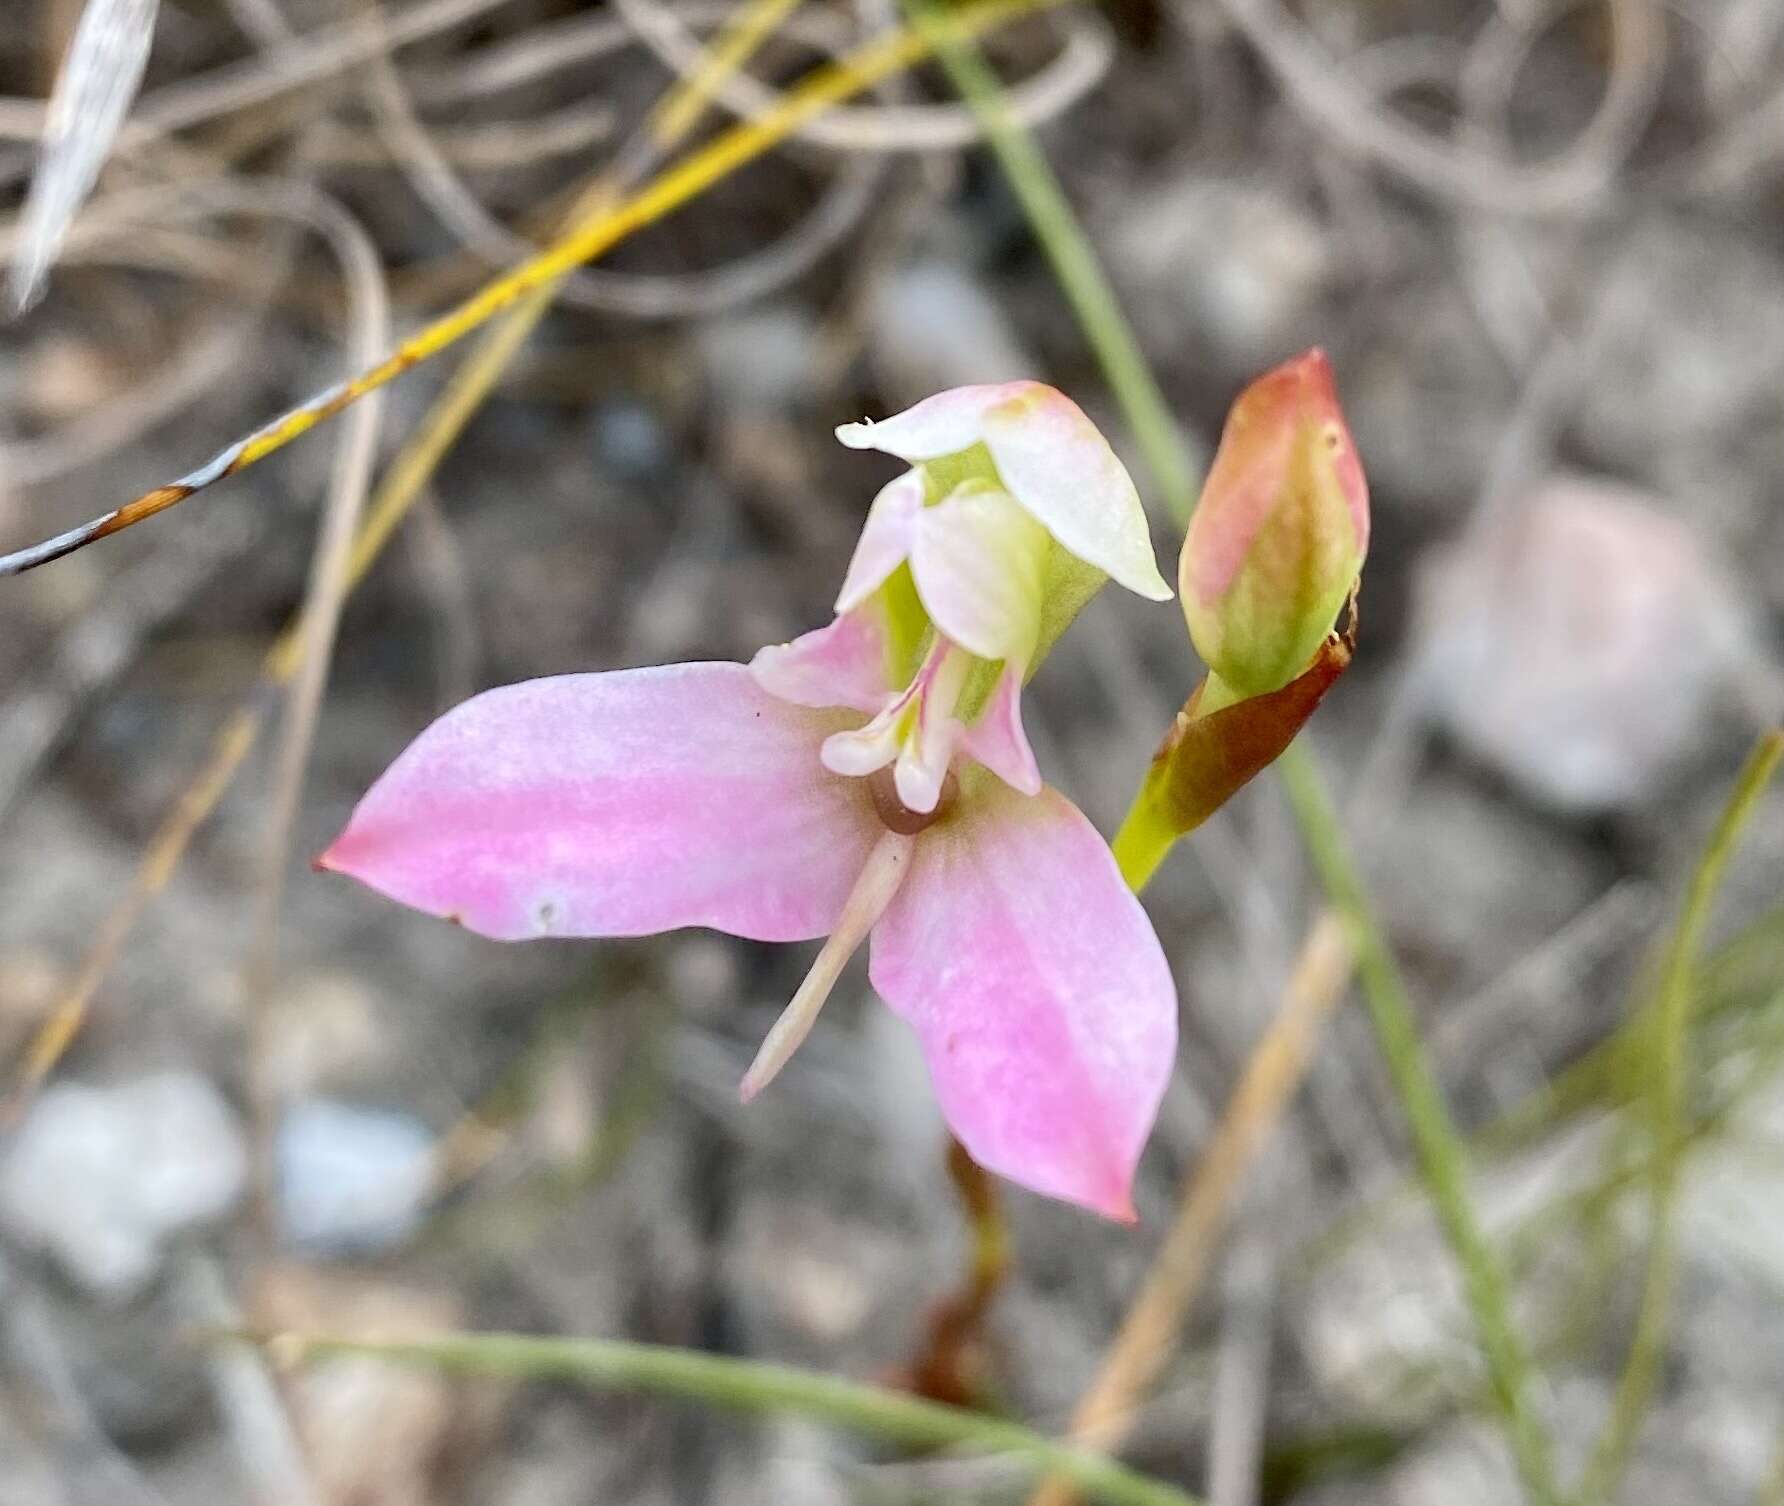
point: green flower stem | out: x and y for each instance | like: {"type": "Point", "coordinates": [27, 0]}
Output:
{"type": "Point", "coordinates": [1442, 1157]}
{"type": "Point", "coordinates": [1668, 1106]}
{"type": "Point", "coordinates": [1074, 263]}
{"type": "Point", "coordinates": [745, 1385]}
{"type": "Point", "coordinates": [1144, 840]}
{"type": "Point", "coordinates": [1148, 831]}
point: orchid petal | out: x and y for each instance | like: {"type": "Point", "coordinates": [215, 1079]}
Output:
{"type": "Point", "coordinates": [1058, 466]}
{"type": "Point", "coordinates": [917, 732]}
{"type": "Point", "coordinates": [618, 805]}
{"type": "Point", "coordinates": [923, 760]}
{"type": "Point", "coordinates": [1038, 990]}
{"type": "Point", "coordinates": [843, 664]}
{"type": "Point", "coordinates": [978, 560]}
{"type": "Point", "coordinates": [941, 425]}
{"type": "Point", "coordinates": [859, 751]}
{"type": "Point", "coordinates": [885, 541]}
{"type": "Point", "coordinates": [1052, 459]}
{"type": "Point", "coordinates": [998, 740]}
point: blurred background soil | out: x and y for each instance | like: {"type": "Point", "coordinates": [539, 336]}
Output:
{"type": "Point", "coordinates": [1542, 245]}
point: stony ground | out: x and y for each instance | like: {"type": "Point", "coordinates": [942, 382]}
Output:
{"type": "Point", "coordinates": [1568, 400]}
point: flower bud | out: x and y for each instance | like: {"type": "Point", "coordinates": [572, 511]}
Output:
{"type": "Point", "coordinates": [1279, 536]}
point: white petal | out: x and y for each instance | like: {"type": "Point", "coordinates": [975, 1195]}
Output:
{"type": "Point", "coordinates": [885, 541]}
{"type": "Point", "coordinates": [978, 560]}
{"type": "Point", "coordinates": [1058, 466]}
{"type": "Point", "coordinates": [941, 425]}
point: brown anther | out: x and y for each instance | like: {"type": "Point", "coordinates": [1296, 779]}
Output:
{"type": "Point", "coordinates": [896, 816]}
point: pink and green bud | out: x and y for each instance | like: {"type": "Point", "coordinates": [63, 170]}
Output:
{"type": "Point", "coordinates": [1278, 539]}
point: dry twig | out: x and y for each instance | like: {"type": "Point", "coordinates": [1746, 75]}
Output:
{"type": "Point", "coordinates": [1150, 1331]}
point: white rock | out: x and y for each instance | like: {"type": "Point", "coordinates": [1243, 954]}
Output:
{"type": "Point", "coordinates": [761, 359]}
{"type": "Point", "coordinates": [377, 1434]}
{"type": "Point", "coordinates": [629, 439]}
{"type": "Point", "coordinates": [352, 1179]}
{"type": "Point", "coordinates": [1729, 1210]}
{"type": "Point", "coordinates": [101, 1178]}
{"type": "Point", "coordinates": [1222, 261]}
{"type": "Point", "coordinates": [935, 326]}
{"type": "Point", "coordinates": [1580, 648]}
{"type": "Point", "coordinates": [1384, 1316]}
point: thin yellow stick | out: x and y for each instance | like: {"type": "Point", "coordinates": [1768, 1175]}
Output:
{"type": "Point", "coordinates": [680, 110]}
{"type": "Point", "coordinates": [745, 141]}
{"type": "Point", "coordinates": [403, 482]}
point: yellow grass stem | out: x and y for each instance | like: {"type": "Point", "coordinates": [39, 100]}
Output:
{"type": "Point", "coordinates": [693, 175]}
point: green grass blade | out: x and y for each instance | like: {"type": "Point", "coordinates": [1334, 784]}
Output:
{"type": "Point", "coordinates": [1443, 1159]}
{"type": "Point", "coordinates": [1074, 262]}
{"type": "Point", "coordinates": [749, 1386]}
{"type": "Point", "coordinates": [1668, 1064]}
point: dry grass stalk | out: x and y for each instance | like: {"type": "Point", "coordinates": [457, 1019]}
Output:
{"type": "Point", "coordinates": [1150, 1331]}
{"type": "Point", "coordinates": [93, 93]}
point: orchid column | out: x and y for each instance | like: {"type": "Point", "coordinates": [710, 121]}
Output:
{"type": "Point", "coordinates": [871, 778]}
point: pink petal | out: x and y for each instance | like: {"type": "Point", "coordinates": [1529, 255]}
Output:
{"type": "Point", "coordinates": [617, 805]}
{"type": "Point", "coordinates": [917, 732]}
{"type": "Point", "coordinates": [843, 664]}
{"type": "Point", "coordinates": [998, 739]}
{"type": "Point", "coordinates": [885, 540]}
{"type": "Point", "coordinates": [856, 752]}
{"type": "Point", "coordinates": [1042, 999]}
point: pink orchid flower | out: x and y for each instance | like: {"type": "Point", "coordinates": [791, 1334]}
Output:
{"type": "Point", "coordinates": [871, 777]}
